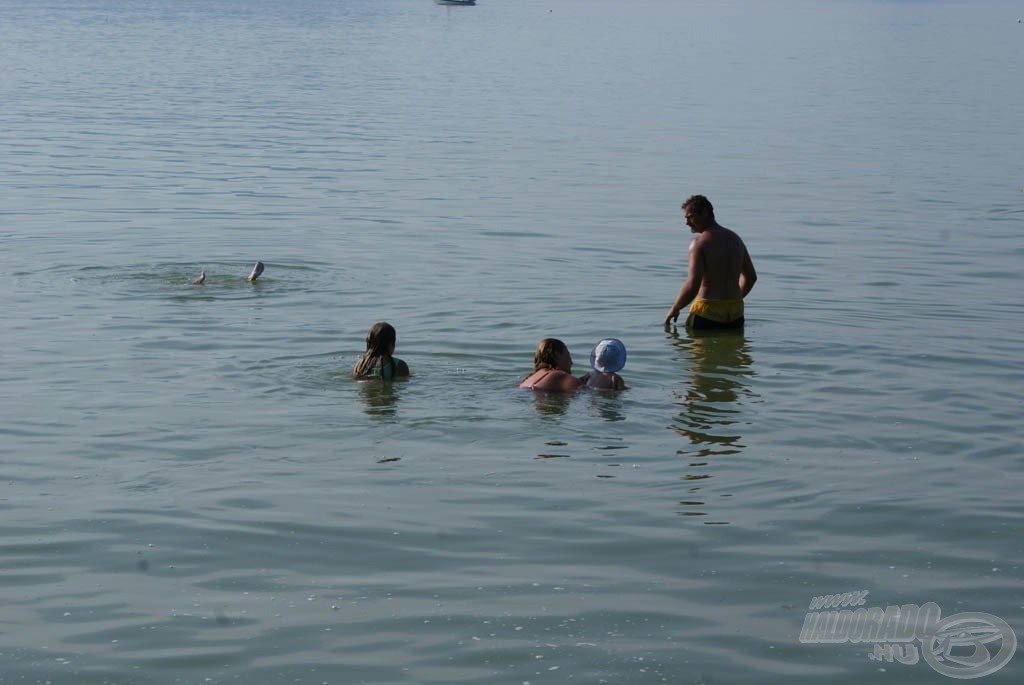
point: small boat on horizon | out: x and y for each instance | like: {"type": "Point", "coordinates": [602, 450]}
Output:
{"type": "Point", "coordinates": [455, 2]}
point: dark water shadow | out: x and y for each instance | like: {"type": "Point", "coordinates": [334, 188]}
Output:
{"type": "Point", "coordinates": [716, 367]}
{"type": "Point", "coordinates": [552, 404]}
{"type": "Point", "coordinates": [606, 405]}
{"type": "Point", "coordinates": [379, 398]}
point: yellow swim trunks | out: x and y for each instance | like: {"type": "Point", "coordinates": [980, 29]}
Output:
{"type": "Point", "coordinates": [715, 314]}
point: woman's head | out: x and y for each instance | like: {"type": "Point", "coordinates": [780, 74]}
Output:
{"type": "Point", "coordinates": [552, 354]}
{"type": "Point", "coordinates": [381, 338]}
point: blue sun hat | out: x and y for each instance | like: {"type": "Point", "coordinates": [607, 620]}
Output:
{"type": "Point", "coordinates": [608, 356]}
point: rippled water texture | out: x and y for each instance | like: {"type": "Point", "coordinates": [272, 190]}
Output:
{"type": "Point", "coordinates": [194, 490]}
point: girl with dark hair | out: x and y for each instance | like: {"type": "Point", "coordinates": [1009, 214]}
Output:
{"type": "Point", "coordinates": [377, 361]}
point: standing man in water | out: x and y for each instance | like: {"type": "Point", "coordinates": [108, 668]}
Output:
{"type": "Point", "coordinates": [720, 272]}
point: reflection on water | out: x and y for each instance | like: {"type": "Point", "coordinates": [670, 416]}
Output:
{"type": "Point", "coordinates": [379, 398]}
{"type": "Point", "coordinates": [606, 404]}
{"type": "Point", "coordinates": [718, 363]}
{"type": "Point", "coordinates": [552, 404]}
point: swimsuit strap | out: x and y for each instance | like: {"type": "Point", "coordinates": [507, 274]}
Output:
{"type": "Point", "coordinates": [547, 372]}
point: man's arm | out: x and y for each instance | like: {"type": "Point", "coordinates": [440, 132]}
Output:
{"type": "Point", "coordinates": [748, 277]}
{"type": "Point", "coordinates": [691, 286]}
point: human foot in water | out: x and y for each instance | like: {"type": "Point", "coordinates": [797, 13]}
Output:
{"type": "Point", "coordinates": [256, 271]}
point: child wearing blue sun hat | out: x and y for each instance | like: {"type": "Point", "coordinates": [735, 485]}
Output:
{"type": "Point", "coordinates": [607, 357]}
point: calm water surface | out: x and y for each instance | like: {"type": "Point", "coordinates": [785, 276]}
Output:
{"type": "Point", "coordinates": [193, 490]}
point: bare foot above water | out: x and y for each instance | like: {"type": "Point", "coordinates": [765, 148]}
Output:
{"type": "Point", "coordinates": [256, 271]}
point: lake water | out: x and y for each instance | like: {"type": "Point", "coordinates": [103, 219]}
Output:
{"type": "Point", "coordinates": [194, 491]}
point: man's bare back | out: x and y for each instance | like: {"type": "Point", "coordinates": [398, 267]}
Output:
{"type": "Point", "coordinates": [720, 272]}
{"type": "Point", "coordinates": [722, 253]}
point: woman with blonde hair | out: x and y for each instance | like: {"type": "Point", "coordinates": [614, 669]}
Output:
{"type": "Point", "coordinates": [552, 367]}
{"type": "Point", "coordinates": [377, 361]}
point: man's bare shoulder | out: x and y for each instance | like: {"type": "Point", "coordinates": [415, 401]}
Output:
{"type": "Point", "coordinates": [726, 232]}
{"type": "Point", "coordinates": [728, 236]}
{"type": "Point", "coordinates": [710, 236]}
